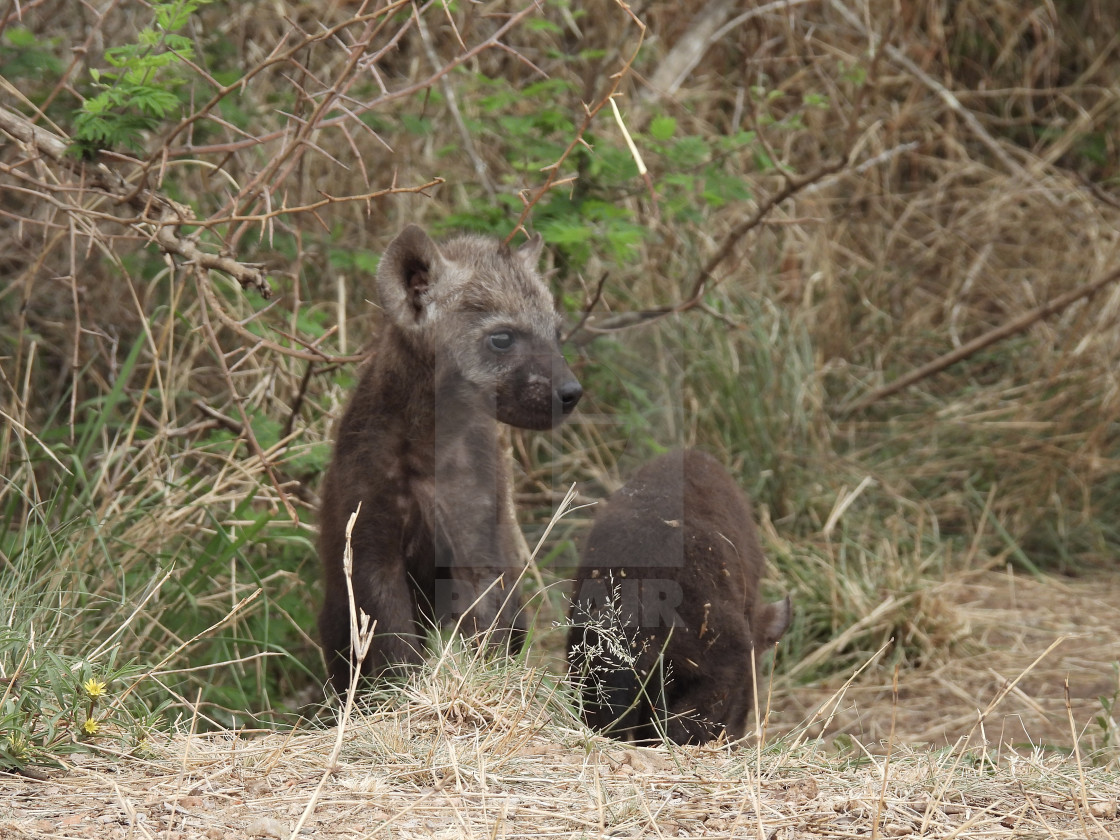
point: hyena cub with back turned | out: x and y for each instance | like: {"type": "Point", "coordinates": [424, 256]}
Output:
{"type": "Point", "coordinates": [470, 338]}
{"type": "Point", "coordinates": [666, 616]}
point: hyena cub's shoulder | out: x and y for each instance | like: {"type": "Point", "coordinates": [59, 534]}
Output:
{"type": "Point", "coordinates": [667, 623]}
{"type": "Point", "coordinates": [470, 337]}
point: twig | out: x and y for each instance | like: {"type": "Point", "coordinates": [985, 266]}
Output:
{"type": "Point", "coordinates": [452, 102]}
{"type": "Point", "coordinates": [1098, 192]}
{"type": "Point", "coordinates": [159, 217]}
{"type": "Point", "coordinates": [297, 403]}
{"type": "Point", "coordinates": [268, 180]}
{"type": "Point", "coordinates": [249, 276]}
{"type": "Point", "coordinates": [118, 702]}
{"type": "Point", "coordinates": [707, 27]}
{"type": "Point", "coordinates": [246, 426]}
{"type": "Point", "coordinates": [276, 57]}
{"type": "Point", "coordinates": [643, 171]}
{"type": "Point", "coordinates": [791, 187]}
{"type": "Point", "coordinates": [881, 802]}
{"type": "Point", "coordinates": [217, 418]}
{"type": "Point", "coordinates": [947, 96]}
{"type": "Point", "coordinates": [312, 206]}
{"type": "Point", "coordinates": [589, 307]}
{"type": "Point", "coordinates": [361, 637]}
{"type": "Point", "coordinates": [1016, 325]}
{"type": "Point", "coordinates": [312, 354]}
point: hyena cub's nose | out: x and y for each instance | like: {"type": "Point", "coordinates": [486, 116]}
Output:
{"type": "Point", "coordinates": [568, 395]}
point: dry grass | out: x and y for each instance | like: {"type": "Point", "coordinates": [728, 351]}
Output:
{"type": "Point", "coordinates": [445, 760]}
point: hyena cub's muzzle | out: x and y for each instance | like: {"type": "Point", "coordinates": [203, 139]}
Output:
{"type": "Point", "coordinates": [540, 390]}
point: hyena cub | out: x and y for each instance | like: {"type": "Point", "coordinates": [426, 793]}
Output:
{"type": "Point", "coordinates": [666, 614]}
{"type": "Point", "coordinates": [470, 337]}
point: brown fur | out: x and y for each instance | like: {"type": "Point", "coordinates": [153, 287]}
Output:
{"type": "Point", "coordinates": [666, 612]}
{"type": "Point", "coordinates": [418, 447]}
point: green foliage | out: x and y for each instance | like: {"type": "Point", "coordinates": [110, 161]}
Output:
{"type": "Point", "coordinates": [139, 92]}
{"type": "Point", "coordinates": [54, 705]}
{"type": "Point", "coordinates": [345, 260]}
{"type": "Point", "coordinates": [24, 56]}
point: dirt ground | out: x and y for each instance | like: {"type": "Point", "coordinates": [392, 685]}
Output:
{"type": "Point", "coordinates": [980, 748]}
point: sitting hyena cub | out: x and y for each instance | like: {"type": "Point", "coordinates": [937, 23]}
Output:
{"type": "Point", "coordinates": [470, 337]}
{"type": "Point", "coordinates": [666, 614]}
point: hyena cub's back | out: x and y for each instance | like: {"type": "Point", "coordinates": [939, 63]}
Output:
{"type": "Point", "coordinates": [470, 337]}
{"type": "Point", "coordinates": [666, 612]}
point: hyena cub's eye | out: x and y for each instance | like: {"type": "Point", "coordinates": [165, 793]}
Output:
{"type": "Point", "coordinates": [500, 342]}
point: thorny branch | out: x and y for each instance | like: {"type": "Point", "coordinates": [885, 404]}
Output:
{"type": "Point", "coordinates": [159, 219]}
{"type": "Point", "coordinates": [157, 216]}
{"type": "Point", "coordinates": [246, 426]}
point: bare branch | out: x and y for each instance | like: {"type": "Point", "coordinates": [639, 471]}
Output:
{"type": "Point", "coordinates": [1016, 325]}
{"type": "Point", "coordinates": [246, 426]}
{"type": "Point", "coordinates": [705, 278]}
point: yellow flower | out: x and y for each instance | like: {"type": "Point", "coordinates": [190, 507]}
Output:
{"type": "Point", "coordinates": [94, 687]}
{"type": "Point", "coordinates": [17, 747]}
{"type": "Point", "coordinates": [91, 726]}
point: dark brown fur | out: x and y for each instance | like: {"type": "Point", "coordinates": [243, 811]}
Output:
{"type": "Point", "coordinates": [418, 447]}
{"type": "Point", "coordinates": [666, 612]}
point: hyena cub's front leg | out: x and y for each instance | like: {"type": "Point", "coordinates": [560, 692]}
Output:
{"type": "Point", "coordinates": [481, 551]}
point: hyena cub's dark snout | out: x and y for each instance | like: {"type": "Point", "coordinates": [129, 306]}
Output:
{"type": "Point", "coordinates": [540, 390]}
{"type": "Point", "coordinates": [667, 624]}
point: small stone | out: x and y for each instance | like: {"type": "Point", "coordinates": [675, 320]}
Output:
{"type": "Point", "coordinates": [265, 827]}
{"type": "Point", "coordinates": [1105, 809]}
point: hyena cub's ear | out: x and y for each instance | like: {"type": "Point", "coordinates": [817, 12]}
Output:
{"type": "Point", "coordinates": [773, 620]}
{"type": "Point", "coordinates": [529, 252]}
{"type": "Point", "coordinates": [410, 264]}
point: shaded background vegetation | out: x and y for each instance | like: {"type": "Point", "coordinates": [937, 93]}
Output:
{"type": "Point", "coordinates": [837, 193]}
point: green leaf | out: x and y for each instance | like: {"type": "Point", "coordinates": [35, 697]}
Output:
{"type": "Point", "coordinates": [662, 128]}
{"type": "Point", "coordinates": [565, 233]}
{"type": "Point", "coordinates": [19, 37]}
{"type": "Point", "coordinates": [416, 125]}
{"type": "Point", "coordinates": [153, 100]}
{"type": "Point", "coordinates": [688, 152]}
{"type": "Point", "coordinates": [542, 25]}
